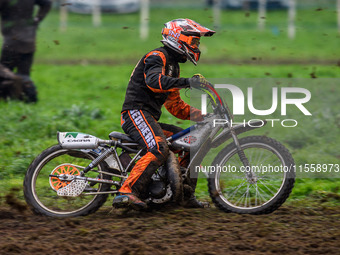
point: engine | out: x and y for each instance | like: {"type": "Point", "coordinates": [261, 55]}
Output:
{"type": "Point", "coordinates": [157, 189]}
{"type": "Point", "coordinates": [158, 186]}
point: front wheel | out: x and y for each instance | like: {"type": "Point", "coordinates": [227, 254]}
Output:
{"type": "Point", "coordinates": [273, 171]}
{"type": "Point", "coordinates": [41, 190]}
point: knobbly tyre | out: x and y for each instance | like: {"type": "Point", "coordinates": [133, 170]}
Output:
{"type": "Point", "coordinates": [75, 177]}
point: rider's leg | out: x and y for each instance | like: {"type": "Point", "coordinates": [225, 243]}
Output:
{"type": "Point", "coordinates": [144, 129]}
{"type": "Point", "coordinates": [184, 159]}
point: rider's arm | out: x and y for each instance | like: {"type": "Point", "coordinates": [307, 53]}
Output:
{"type": "Point", "coordinates": [177, 107]}
{"type": "Point", "coordinates": [154, 73]}
{"type": "Point", "coordinates": [44, 8]}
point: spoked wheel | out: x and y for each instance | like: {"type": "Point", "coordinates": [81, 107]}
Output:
{"type": "Point", "coordinates": [42, 192]}
{"type": "Point", "coordinates": [273, 179]}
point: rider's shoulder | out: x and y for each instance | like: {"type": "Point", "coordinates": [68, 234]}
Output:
{"type": "Point", "coordinates": [158, 52]}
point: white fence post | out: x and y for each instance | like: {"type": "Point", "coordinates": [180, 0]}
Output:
{"type": "Point", "coordinates": [291, 19]}
{"type": "Point", "coordinates": [144, 19]}
{"type": "Point", "coordinates": [63, 16]}
{"type": "Point", "coordinates": [217, 13]}
{"type": "Point", "coordinates": [96, 14]}
{"type": "Point", "coordinates": [338, 11]}
{"type": "Point", "coordinates": [262, 14]}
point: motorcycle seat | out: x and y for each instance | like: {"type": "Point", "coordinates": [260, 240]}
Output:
{"type": "Point", "coordinates": [120, 136]}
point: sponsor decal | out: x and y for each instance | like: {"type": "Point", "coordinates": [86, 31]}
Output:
{"type": "Point", "coordinates": [174, 34]}
{"type": "Point", "coordinates": [71, 135]}
{"type": "Point", "coordinates": [190, 139]}
{"type": "Point", "coordinates": [170, 70]}
{"type": "Point", "coordinates": [143, 128]}
{"type": "Point", "coordinates": [78, 140]}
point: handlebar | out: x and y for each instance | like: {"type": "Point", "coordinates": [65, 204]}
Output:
{"type": "Point", "coordinates": [218, 105]}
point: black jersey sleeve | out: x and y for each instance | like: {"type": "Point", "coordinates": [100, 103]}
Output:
{"type": "Point", "coordinates": [44, 8]}
{"type": "Point", "coordinates": [154, 74]}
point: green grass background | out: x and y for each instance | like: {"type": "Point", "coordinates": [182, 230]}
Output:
{"type": "Point", "coordinates": [82, 74]}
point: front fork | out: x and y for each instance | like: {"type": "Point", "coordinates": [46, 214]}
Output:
{"type": "Point", "coordinates": [251, 177]}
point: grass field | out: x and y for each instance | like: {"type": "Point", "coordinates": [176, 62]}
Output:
{"type": "Point", "coordinates": [78, 92]}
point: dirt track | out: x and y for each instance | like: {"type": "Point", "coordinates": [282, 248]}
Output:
{"type": "Point", "coordinates": [290, 230]}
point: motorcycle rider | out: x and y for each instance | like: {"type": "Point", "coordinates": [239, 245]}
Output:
{"type": "Point", "coordinates": [155, 82]}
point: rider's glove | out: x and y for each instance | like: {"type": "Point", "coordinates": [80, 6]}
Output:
{"type": "Point", "coordinates": [198, 81]}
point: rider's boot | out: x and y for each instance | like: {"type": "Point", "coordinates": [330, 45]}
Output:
{"type": "Point", "coordinates": [128, 200]}
{"type": "Point", "coordinates": [190, 200]}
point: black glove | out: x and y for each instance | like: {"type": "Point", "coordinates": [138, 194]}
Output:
{"type": "Point", "coordinates": [198, 81]}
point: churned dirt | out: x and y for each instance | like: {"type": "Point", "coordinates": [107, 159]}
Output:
{"type": "Point", "coordinates": [292, 229]}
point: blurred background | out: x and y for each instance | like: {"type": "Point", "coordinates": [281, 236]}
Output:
{"type": "Point", "coordinates": [248, 30]}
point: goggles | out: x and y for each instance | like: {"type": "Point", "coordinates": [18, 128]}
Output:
{"type": "Point", "coordinates": [192, 41]}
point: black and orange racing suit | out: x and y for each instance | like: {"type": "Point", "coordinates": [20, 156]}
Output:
{"type": "Point", "coordinates": [154, 82]}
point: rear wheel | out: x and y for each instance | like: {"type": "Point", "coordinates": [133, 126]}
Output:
{"type": "Point", "coordinates": [40, 189]}
{"type": "Point", "coordinates": [274, 175]}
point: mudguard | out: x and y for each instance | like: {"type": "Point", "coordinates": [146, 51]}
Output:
{"type": "Point", "coordinates": [174, 176]}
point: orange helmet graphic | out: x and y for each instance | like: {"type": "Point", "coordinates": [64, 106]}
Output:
{"type": "Point", "coordinates": [183, 36]}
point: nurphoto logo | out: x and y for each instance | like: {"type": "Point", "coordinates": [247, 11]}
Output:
{"type": "Point", "coordinates": [287, 100]}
